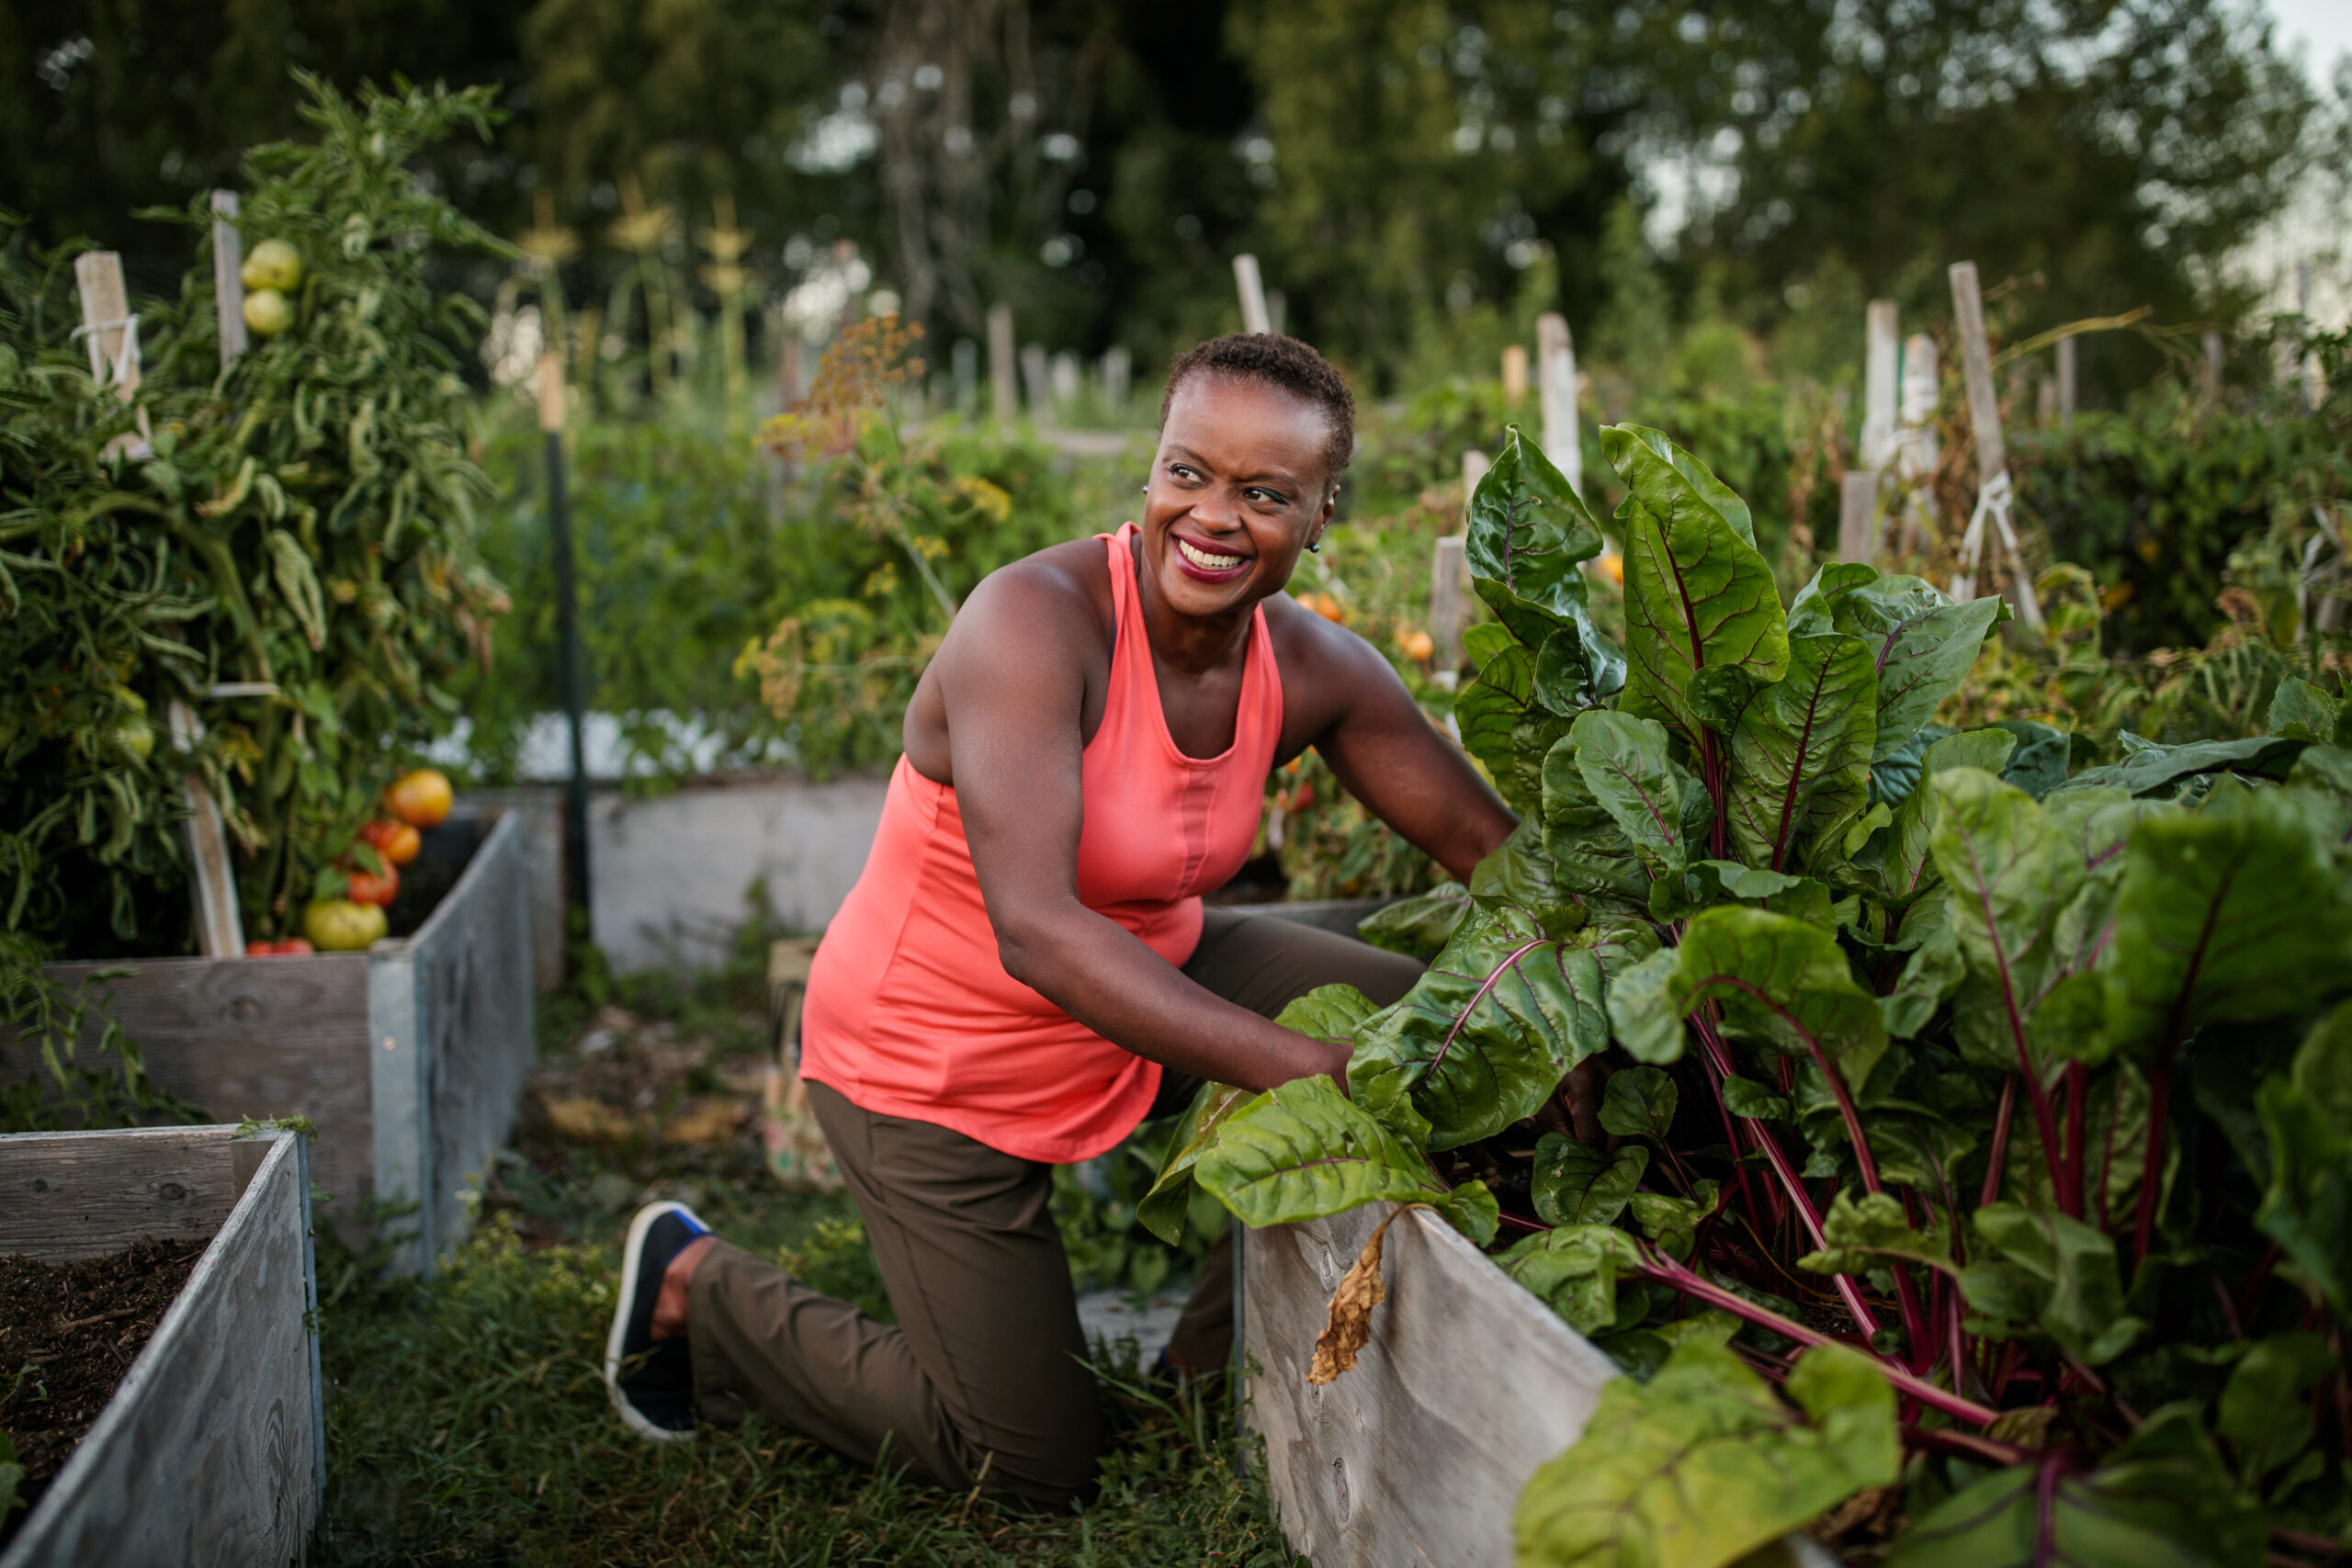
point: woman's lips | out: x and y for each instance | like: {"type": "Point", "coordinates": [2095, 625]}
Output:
{"type": "Point", "coordinates": [1204, 565]}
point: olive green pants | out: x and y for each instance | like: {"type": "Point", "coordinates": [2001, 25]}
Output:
{"type": "Point", "coordinates": [986, 1369]}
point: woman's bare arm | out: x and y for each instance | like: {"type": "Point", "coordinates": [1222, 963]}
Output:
{"type": "Point", "coordinates": [1344, 700]}
{"type": "Point", "coordinates": [1012, 674]}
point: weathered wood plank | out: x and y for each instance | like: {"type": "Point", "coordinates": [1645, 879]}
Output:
{"type": "Point", "coordinates": [211, 1450]}
{"type": "Point", "coordinates": [249, 1037]}
{"type": "Point", "coordinates": [473, 964]}
{"type": "Point", "coordinates": [68, 1195]}
{"type": "Point", "coordinates": [1414, 1459]}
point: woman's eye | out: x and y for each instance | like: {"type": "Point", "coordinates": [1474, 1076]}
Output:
{"type": "Point", "coordinates": [1265, 497]}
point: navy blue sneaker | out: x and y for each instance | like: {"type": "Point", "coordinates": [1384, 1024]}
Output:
{"type": "Point", "coordinates": [652, 1380]}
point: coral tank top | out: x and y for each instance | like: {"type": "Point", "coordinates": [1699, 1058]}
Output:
{"type": "Point", "coordinates": [910, 1013]}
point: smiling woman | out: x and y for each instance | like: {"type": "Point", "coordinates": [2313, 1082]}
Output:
{"type": "Point", "coordinates": [1025, 970]}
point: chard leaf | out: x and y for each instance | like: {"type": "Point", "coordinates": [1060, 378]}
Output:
{"type": "Point", "coordinates": [2307, 1117]}
{"type": "Point", "coordinates": [2161, 1500]}
{"type": "Point", "coordinates": [1573, 1185]}
{"type": "Point", "coordinates": [2009, 873]}
{"type": "Point", "coordinates": [2039, 765]}
{"type": "Point", "coordinates": [1905, 862]}
{"type": "Point", "coordinates": [2321, 784]}
{"type": "Point", "coordinates": [2262, 1412]}
{"type": "Point", "coordinates": [1642, 1007]}
{"type": "Point", "coordinates": [1590, 855]}
{"type": "Point", "coordinates": [1713, 882]}
{"type": "Point", "coordinates": [1327, 1012]}
{"type": "Point", "coordinates": [1781, 981]}
{"type": "Point", "coordinates": [1577, 667]}
{"type": "Point", "coordinates": [1530, 535]}
{"type": "Point", "coordinates": [1491, 713]}
{"type": "Point", "coordinates": [1921, 643]}
{"type": "Point", "coordinates": [1746, 1096]}
{"type": "Point", "coordinates": [1300, 1151]}
{"type": "Point", "coordinates": [1522, 875]}
{"type": "Point", "coordinates": [1673, 1222]}
{"type": "Point", "coordinates": [1639, 1103]}
{"type": "Point", "coordinates": [1630, 1490]}
{"type": "Point", "coordinates": [1486, 1035]}
{"type": "Point", "coordinates": [1573, 1270]}
{"type": "Point", "coordinates": [1933, 972]}
{"type": "Point", "coordinates": [2231, 911]}
{"type": "Point", "coordinates": [1697, 594]}
{"type": "Point", "coordinates": [1801, 756]}
{"type": "Point", "coordinates": [2301, 711]}
{"type": "Point", "coordinates": [1163, 1209]}
{"type": "Point", "coordinates": [1626, 770]}
{"type": "Point", "coordinates": [2078, 1292]}
{"type": "Point", "coordinates": [2154, 769]}
{"type": "Point", "coordinates": [1418, 927]}
{"type": "Point", "coordinates": [1859, 1229]}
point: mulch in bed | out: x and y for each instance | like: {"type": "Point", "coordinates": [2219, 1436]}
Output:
{"type": "Point", "coordinates": [68, 1332]}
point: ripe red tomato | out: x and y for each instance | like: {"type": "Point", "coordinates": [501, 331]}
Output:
{"type": "Point", "coordinates": [367, 887]}
{"type": "Point", "coordinates": [397, 843]}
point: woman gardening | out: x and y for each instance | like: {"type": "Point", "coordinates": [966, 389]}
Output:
{"type": "Point", "coordinates": [1025, 971]}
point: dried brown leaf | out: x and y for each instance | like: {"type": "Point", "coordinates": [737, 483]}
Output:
{"type": "Point", "coordinates": [1350, 1328]}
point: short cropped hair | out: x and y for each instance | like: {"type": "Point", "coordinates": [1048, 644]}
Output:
{"type": "Point", "coordinates": [1273, 360]}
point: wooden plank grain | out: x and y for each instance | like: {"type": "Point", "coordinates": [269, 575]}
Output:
{"type": "Point", "coordinates": [247, 1037]}
{"type": "Point", "coordinates": [68, 1195]}
{"type": "Point", "coordinates": [1416, 1459]}
{"type": "Point", "coordinates": [209, 1451]}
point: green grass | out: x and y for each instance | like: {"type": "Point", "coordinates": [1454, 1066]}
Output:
{"type": "Point", "coordinates": [467, 1421]}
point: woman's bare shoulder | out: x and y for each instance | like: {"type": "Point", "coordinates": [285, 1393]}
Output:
{"type": "Point", "coordinates": [1059, 596]}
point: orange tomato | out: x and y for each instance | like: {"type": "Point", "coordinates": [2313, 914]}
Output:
{"type": "Point", "coordinates": [1417, 646]}
{"type": "Point", "coordinates": [1612, 567]}
{"type": "Point", "coordinates": [367, 887]}
{"type": "Point", "coordinates": [421, 799]}
{"type": "Point", "coordinates": [1323, 605]}
{"type": "Point", "coordinates": [397, 843]}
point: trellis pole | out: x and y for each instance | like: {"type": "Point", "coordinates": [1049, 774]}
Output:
{"type": "Point", "coordinates": [1254, 315]}
{"type": "Point", "coordinates": [1004, 391]}
{"type": "Point", "coordinates": [1993, 493]}
{"type": "Point", "coordinates": [1556, 380]}
{"type": "Point", "coordinates": [1882, 361]}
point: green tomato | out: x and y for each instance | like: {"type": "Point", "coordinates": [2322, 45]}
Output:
{"type": "Point", "coordinates": [274, 264]}
{"type": "Point", "coordinates": [338, 925]}
{"type": "Point", "coordinates": [134, 737]}
{"type": "Point", "coordinates": [268, 312]}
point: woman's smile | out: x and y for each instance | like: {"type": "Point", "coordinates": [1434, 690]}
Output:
{"type": "Point", "coordinates": [1206, 565]}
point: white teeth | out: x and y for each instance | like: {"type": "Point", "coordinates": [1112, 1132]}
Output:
{"type": "Point", "coordinates": [1206, 561]}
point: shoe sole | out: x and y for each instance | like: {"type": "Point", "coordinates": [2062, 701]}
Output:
{"type": "Point", "coordinates": [632, 1252]}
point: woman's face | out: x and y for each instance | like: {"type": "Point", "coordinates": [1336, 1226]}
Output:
{"type": "Point", "coordinates": [1240, 485]}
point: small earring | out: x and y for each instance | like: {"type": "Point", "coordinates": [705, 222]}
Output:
{"type": "Point", "coordinates": [1315, 548]}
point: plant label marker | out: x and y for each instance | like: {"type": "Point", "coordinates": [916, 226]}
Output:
{"type": "Point", "coordinates": [1556, 380]}
{"type": "Point", "coordinates": [1254, 317]}
{"type": "Point", "coordinates": [567, 631]}
{"type": "Point", "coordinates": [228, 286]}
{"type": "Point", "coordinates": [1993, 493]}
{"type": "Point", "coordinates": [1004, 391]}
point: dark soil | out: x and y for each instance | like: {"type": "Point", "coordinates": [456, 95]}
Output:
{"type": "Point", "coordinates": [68, 1332]}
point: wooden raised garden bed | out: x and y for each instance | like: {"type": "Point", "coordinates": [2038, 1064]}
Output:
{"type": "Point", "coordinates": [212, 1447]}
{"type": "Point", "coordinates": [1416, 1458]}
{"type": "Point", "coordinates": [409, 1059]}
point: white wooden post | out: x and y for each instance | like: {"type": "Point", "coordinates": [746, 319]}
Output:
{"type": "Point", "coordinates": [1993, 494]}
{"type": "Point", "coordinates": [1858, 516]}
{"type": "Point", "coordinates": [1034, 381]}
{"type": "Point", "coordinates": [1254, 317]}
{"type": "Point", "coordinates": [1916, 449]}
{"type": "Point", "coordinates": [1474, 467]}
{"type": "Point", "coordinates": [1514, 372]}
{"type": "Point", "coordinates": [1118, 368]}
{"type": "Point", "coordinates": [112, 333]}
{"type": "Point", "coordinates": [1277, 307]}
{"type": "Point", "coordinates": [220, 930]}
{"type": "Point", "coordinates": [1245, 278]}
{"type": "Point", "coordinates": [1004, 391]}
{"type": "Point", "coordinates": [2066, 383]}
{"type": "Point", "coordinates": [1448, 567]}
{"type": "Point", "coordinates": [2212, 375]}
{"type": "Point", "coordinates": [1882, 358]}
{"type": "Point", "coordinates": [1555, 379]}
{"type": "Point", "coordinates": [227, 286]}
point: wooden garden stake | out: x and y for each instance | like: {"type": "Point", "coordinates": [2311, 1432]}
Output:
{"type": "Point", "coordinates": [1993, 493]}
{"type": "Point", "coordinates": [1034, 381]}
{"type": "Point", "coordinates": [1254, 317]}
{"type": "Point", "coordinates": [1514, 372]}
{"type": "Point", "coordinates": [113, 335]}
{"type": "Point", "coordinates": [1916, 448]}
{"type": "Point", "coordinates": [1474, 467]}
{"type": "Point", "coordinates": [567, 630]}
{"type": "Point", "coordinates": [1858, 516]}
{"type": "Point", "coordinates": [1448, 568]}
{"type": "Point", "coordinates": [1277, 307]}
{"type": "Point", "coordinates": [1882, 362]}
{"type": "Point", "coordinates": [219, 929]}
{"type": "Point", "coordinates": [228, 286]}
{"type": "Point", "coordinates": [1004, 391]}
{"type": "Point", "coordinates": [2066, 369]}
{"type": "Point", "coordinates": [1118, 372]}
{"type": "Point", "coordinates": [1556, 380]}
{"type": "Point", "coordinates": [2212, 370]}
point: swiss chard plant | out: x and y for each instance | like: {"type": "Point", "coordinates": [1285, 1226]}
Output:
{"type": "Point", "coordinates": [1952, 1144]}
